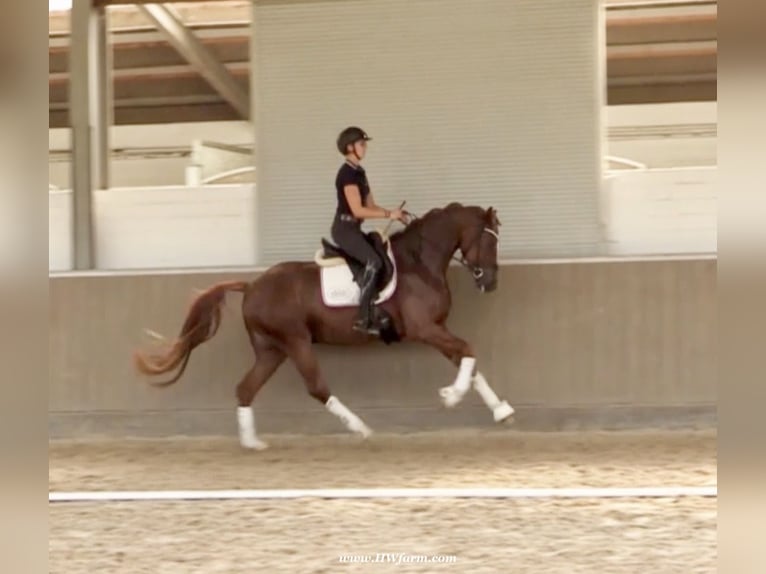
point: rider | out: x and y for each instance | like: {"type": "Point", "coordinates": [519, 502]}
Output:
{"type": "Point", "coordinates": [355, 204]}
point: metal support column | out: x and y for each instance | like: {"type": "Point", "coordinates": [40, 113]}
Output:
{"type": "Point", "coordinates": [207, 65]}
{"type": "Point", "coordinates": [101, 96]}
{"type": "Point", "coordinates": [79, 119]}
{"type": "Point", "coordinates": [254, 109]}
{"type": "Point", "coordinates": [90, 117]}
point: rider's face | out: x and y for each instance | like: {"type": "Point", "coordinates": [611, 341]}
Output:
{"type": "Point", "coordinates": [360, 148]}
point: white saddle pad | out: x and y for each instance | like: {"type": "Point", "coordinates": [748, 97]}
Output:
{"type": "Point", "coordinates": [340, 290]}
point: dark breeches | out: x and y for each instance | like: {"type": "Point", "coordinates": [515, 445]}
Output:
{"type": "Point", "coordinates": [349, 237]}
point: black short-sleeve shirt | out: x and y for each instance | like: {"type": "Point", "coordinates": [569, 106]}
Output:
{"type": "Point", "coordinates": [350, 174]}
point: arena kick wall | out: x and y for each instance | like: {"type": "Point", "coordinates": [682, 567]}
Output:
{"type": "Point", "coordinates": [601, 344]}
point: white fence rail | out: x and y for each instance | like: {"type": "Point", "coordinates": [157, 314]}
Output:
{"type": "Point", "coordinates": [385, 493]}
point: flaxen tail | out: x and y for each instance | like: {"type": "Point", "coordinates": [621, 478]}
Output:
{"type": "Point", "coordinates": [201, 325]}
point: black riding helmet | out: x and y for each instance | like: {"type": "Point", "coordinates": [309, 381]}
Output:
{"type": "Point", "coordinates": [350, 136]}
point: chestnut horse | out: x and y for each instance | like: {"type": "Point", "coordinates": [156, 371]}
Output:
{"type": "Point", "coordinates": [284, 315]}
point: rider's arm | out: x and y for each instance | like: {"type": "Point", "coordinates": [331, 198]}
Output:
{"type": "Point", "coordinates": [370, 201]}
{"type": "Point", "coordinates": [360, 211]}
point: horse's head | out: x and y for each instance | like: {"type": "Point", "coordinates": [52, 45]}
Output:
{"type": "Point", "coordinates": [435, 237]}
{"type": "Point", "coordinates": [479, 238]}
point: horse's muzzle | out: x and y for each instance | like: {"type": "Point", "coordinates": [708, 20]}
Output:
{"type": "Point", "coordinates": [485, 279]}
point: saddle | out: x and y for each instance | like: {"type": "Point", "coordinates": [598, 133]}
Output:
{"type": "Point", "coordinates": [340, 278]}
{"type": "Point", "coordinates": [330, 255]}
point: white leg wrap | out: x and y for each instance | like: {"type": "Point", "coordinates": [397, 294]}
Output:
{"type": "Point", "coordinates": [352, 422]}
{"type": "Point", "coordinates": [465, 374]}
{"type": "Point", "coordinates": [487, 394]}
{"type": "Point", "coordinates": [501, 410]}
{"type": "Point", "coordinates": [246, 423]}
{"type": "Point", "coordinates": [453, 394]}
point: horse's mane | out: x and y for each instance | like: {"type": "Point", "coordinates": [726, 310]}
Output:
{"type": "Point", "coordinates": [408, 241]}
{"type": "Point", "coordinates": [416, 226]}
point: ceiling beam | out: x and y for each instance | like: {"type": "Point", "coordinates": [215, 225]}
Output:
{"type": "Point", "coordinates": [199, 56]}
{"type": "Point", "coordinates": [136, 2]}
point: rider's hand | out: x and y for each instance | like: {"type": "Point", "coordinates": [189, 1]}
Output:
{"type": "Point", "coordinates": [398, 215]}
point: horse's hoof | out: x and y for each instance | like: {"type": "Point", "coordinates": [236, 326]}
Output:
{"type": "Point", "coordinates": [502, 412]}
{"type": "Point", "coordinates": [450, 397]}
{"type": "Point", "coordinates": [365, 433]}
{"type": "Point", "coordinates": [255, 444]}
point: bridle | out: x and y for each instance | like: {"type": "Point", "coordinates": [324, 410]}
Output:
{"type": "Point", "coordinates": [476, 270]}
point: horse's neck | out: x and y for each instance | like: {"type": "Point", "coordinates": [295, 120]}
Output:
{"type": "Point", "coordinates": [443, 255]}
{"type": "Point", "coordinates": [436, 248]}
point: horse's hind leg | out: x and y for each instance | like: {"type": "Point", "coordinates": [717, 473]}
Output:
{"type": "Point", "coordinates": [267, 361]}
{"type": "Point", "coordinates": [302, 354]}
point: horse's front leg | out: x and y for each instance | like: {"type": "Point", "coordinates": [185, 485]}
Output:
{"type": "Point", "coordinates": [460, 353]}
{"type": "Point", "coordinates": [501, 410]}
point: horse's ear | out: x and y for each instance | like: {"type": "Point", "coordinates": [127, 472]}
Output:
{"type": "Point", "coordinates": [492, 217]}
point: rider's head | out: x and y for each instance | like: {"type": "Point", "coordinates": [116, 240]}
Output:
{"type": "Point", "coordinates": [352, 143]}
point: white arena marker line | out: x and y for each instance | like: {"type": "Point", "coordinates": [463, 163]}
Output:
{"type": "Point", "coordinates": [372, 493]}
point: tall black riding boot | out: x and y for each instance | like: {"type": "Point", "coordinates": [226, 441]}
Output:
{"type": "Point", "coordinates": [368, 293]}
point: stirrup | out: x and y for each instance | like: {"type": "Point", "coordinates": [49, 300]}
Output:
{"type": "Point", "coordinates": [370, 328]}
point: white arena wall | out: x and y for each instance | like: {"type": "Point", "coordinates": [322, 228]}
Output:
{"type": "Point", "coordinates": [646, 212]}
{"type": "Point", "coordinates": [160, 228]}
{"type": "Point", "coordinates": [661, 211]}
